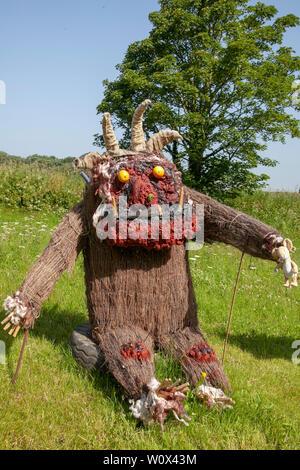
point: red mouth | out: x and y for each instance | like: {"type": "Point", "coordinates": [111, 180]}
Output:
{"type": "Point", "coordinates": [143, 235]}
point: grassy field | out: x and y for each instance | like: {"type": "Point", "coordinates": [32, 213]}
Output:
{"type": "Point", "coordinates": [40, 184]}
{"type": "Point", "coordinates": [57, 405]}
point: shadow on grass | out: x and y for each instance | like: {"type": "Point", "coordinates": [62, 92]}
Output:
{"type": "Point", "coordinates": [261, 345]}
{"type": "Point", "coordinates": [56, 326]}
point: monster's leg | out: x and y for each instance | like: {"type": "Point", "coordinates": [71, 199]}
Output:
{"type": "Point", "coordinates": [190, 349]}
{"type": "Point", "coordinates": [128, 356]}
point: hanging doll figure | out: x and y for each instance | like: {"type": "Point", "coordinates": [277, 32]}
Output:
{"type": "Point", "coordinates": [284, 262]}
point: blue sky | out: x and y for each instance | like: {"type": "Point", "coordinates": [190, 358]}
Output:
{"type": "Point", "coordinates": [54, 56]}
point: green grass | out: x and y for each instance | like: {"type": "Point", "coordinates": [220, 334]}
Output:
{"type": "Point", "coordinates": [57, 405]}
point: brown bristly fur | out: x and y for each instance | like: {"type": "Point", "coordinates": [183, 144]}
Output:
{"type": "Point", "coordinates": [178, 344]}
{"type": "Point", "coordinates": [132, 374]}
{"type": "Point", "coordinates": [147, 295]}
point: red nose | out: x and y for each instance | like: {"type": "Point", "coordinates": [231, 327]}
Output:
{"type": "Point", "coordinates": [143, 192]}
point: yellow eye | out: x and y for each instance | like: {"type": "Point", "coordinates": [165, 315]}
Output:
{"type": "Point", "coordinates": [158, 171]}
{"type": "Point", "coordinates": [123, 176]}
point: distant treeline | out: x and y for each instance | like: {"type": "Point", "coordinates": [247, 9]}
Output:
{"type": "Point", "coordinates": [43, 160]}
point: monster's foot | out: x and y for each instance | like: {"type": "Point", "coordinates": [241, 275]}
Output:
{"type": "Point", "coordinates": [190, 349]}
{"type": "Point", "coordinates": [128, 355]}
{"type": "Point", "coordinates": [160, 400]}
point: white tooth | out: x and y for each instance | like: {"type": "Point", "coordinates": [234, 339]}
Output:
{"type": "Point", "coordinates": [100, 211]}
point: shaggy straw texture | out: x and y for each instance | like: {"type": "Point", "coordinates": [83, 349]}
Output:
{"type": "Point", "coordinates": [132, 286]}
{"type": "Point", "coordinates": [132, 292]}
{"type": "Point", "coordinates": [224, 224]}
{"type": "Point", "coordinates": [180, 343]}
{"type": "Point", "coordinates": [132, 374]}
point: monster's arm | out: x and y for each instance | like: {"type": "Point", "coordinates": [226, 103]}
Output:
{"type": "Point", "coordinates": [224, 224]}
{"type": "Point", "coordinates": [60, 254]}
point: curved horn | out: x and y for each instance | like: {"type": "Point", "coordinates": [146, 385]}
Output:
{"type": "Point", "coordinates": [137, 132]}
{"type": "Point", "coordinates": [111, 143]}
{"type": "Point", "coordinates": [88, 160]}
{"type": "Point", "coordinates": [157, 142]}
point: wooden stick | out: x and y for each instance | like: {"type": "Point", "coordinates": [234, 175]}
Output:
{"type": "Point", "coordinates": [20, 357]}
{"type": "Point", "coordinates": [16, 331]}
{"type": "Point", "coordinates": [232, 305]}
{"type": "Point", "coordinates": [181, 198]}
{"type": "Point", "coordinates": [165, 383]}
{"type": "Point", "coordinates": [114, 206]}
{"type": "Point", "coordinates": [12, 330]}
{"type": "Point", "coordinates": [175, 383]}
{"type": "Point", "coordinates": [6, 318]}
{"type": "Point", "coordinates": [183, 386]}
{"type": "Point", "coordinates": [7, 326]}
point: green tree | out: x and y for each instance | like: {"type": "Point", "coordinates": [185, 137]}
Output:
{"type": "Point", "coordinates": [217, 72]}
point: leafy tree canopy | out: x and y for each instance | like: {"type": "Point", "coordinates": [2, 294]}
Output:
{"type": "Point", "coordinates": [217, 72]}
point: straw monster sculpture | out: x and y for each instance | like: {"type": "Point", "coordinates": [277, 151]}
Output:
{"type": "Point", "coordinates": [139, 292]}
